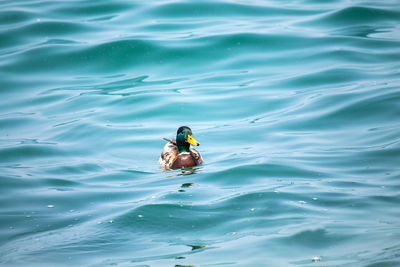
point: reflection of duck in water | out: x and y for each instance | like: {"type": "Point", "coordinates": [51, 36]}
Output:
{"type": "Point", "coordinates": [179, 154]}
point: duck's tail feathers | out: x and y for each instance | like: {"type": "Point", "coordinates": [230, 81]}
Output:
{"type": "Point", "coordinates": [171, 141]}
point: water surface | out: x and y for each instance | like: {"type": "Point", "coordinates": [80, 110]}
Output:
{"type": "Point", "coordinates": [295, 104]}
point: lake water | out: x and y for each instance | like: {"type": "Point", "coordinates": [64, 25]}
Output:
{"type": "Point", "coordinates": [296, 105]}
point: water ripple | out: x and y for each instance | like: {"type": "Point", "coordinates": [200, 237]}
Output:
{"type": "Point", "coordinates": [295, 105]}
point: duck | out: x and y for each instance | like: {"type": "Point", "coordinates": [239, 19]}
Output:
{"type": "Point", "coordinates": [179, 153]}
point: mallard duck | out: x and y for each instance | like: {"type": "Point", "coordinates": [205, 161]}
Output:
{"type": "Point", "coordinates": [179, 154]}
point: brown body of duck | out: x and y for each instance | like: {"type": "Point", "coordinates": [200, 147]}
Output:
{"type": "Point", "coordinates": [178, 153]}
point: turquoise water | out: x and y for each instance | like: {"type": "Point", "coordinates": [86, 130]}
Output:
{"type": "Point", "coordinates": [296, 105]}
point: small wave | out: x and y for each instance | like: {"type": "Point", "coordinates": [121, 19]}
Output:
{"type": "Point", "coordinates": [359, 15]}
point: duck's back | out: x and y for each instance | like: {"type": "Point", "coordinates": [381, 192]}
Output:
{"type": "Point", "coordinates": [168, 156]}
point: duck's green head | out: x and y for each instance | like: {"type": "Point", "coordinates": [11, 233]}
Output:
{"type": "Point", "coordinates": [184, 138]}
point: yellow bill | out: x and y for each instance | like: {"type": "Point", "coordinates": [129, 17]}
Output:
{"type": "Point", "coordinates": [192, 141]}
